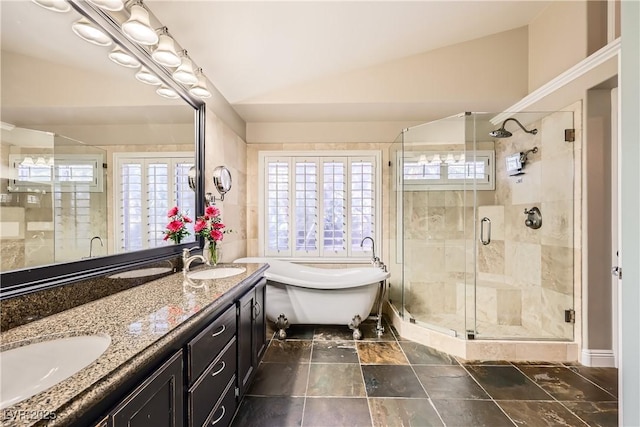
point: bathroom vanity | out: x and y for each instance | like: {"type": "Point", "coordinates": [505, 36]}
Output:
{"type": "Point", "coordinates": [182, 353]}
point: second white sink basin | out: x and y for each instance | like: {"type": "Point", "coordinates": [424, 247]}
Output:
{"type": "Point", "coordinates": [215, 273]}
{"type": "Point", "coordinates": [30, 369]}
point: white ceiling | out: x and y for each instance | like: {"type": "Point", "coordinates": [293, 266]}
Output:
{"type": "Point", "coordinates": [250, 49]}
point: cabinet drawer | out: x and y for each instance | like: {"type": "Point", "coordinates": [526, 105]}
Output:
{"type": "Point", "coordinates": [222, 415]}
{"type": "Point", "coordinates": [211, 385]}
{"type": "Point", "coordinates": [207, 345]}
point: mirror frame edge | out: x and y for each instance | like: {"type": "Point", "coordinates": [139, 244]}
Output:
{"type": "Point", "coordinates": [28, 280]}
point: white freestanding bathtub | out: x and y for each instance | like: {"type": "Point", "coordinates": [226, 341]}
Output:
{"type": "Point", "coordinates": [298, 294]}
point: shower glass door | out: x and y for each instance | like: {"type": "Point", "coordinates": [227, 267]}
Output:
{"type": "Point", "coordinates": [524, 227]}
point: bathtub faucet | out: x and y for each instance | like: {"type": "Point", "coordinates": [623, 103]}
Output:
{"type": "Point", "coordinates": [374, 259]}
{"type": "Point", "coordinates": [187, 260]}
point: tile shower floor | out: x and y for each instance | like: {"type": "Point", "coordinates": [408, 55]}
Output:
{"type": "Point", "coordinates": [321, 377]}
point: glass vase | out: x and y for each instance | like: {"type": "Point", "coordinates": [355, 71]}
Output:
{"type": "Point", "coordinates": [211, 253]}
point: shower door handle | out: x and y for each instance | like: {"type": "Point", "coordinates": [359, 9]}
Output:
{"type": "Point", "coordinates": [487, 240]}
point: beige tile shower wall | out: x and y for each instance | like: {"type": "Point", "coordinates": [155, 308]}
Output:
{"type": "Point", "coordinates": [253, 226]}
{"type": "Point", "coordinates": [539, 265]}
{"type": "Point", "coordinates": [223, 147]}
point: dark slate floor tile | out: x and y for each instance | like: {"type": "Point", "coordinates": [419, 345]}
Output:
{"type": "Point", "coordinates": [335, 379]}
{"type": "Point", "coordinates": [369, 332]}
{"type": "Point", "coordinates": [419, 354]}
{"type": "Point", "coordinates": [485, 362]}
{"type": "Point", "coordinates": [449, 382]}
{"type": "Point", "coordinates": [334, 352]}
{"type": "Point", "coordinates": [280, 379]}
{"type": "Point", "coordinates": [269, 412]}
{"type": "Point", "coordinates": [395, 412]}
{"type": "Point", "coordinates": [607, 378]}
{"type": "Point", "coordinates": [539, 414]}
{"type": "Point", "coordinates": [596, 414]}
{"type": "Point", "coordinates": [507, 383]}
{"type": "Point", "coordinates": [391, 381]}
{"type": "Point", "coordinates": [381, 353]}
{"type": "Point", "coordinates": [330, 412]}
{"type": "Point", "coordinates": [476, 413]}
{"type": "Point", "coordinates": [333, 333]}
{"type": "Point", "coordinates": [288, 352]}
{"type": "Point", "coordinates": [564, 384]}
{"type": "Point", "coordinates": [299, 332]}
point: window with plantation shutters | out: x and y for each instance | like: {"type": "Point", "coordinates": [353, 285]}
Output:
{"type": "Point", "coordinates": [319, 206]}
{"type": "Point", "coordinates": [147, 186]}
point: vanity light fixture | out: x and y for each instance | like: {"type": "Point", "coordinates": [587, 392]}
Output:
{"type": "Point", "coordinates": [120, 57]}
{"type": "Point", "coordinates": [27, 161]}
{"type": "Point", "coordinates": [462, 160]}
{"type": "Point", "coordinates": [50, 162]}
{"type": "Point", "coordinates": [86, 30]}
{"type": "Point", "coordinates": [436, 160]}
{"type": "Point", "coordinates": [54, 5]}
{"type": "Point", "coordinates": [146, 76]}
{"type": "Point", "coordinates": [184, 74]}
{"type": "Point", "coordinates": [41, 162]}
{"type": "Point", "coordinates": [110, 5]}
{"type": "Point", "coordinates": [138, 27]}
{"type": "Point", "coordinates": [450, 159]}
{"type": "Point", "coordinates": [165, 54]}
{"type": "Point", "coordinates": [167, 92]}
{"type": "Point", "coordinates": [200, 89]}
{"type": "Point", "coordinates": [422, 160]}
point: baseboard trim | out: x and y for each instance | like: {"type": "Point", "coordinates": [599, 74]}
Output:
{"type": "Point", "coordinates": [598, 358]}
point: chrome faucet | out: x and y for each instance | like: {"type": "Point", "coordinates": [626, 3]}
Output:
{"type": "Point", "coordinates": [91, 244]}
{"type": "Point", "coordinates": [374, 259]}
{"type": "Point", "coordinates": [187, 259]}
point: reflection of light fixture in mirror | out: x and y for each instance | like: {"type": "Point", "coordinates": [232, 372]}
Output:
{"type": "Point", "coordinates": [450, 159]}
{"type": "Point", "coordinates": [121, 57]}
{"type": "Point", "coordinates": [50, 161]}
{"type": "Point", "coordinates": [138, 28]}
{"type": "Point", "coordinates": [461, 159]}
{"type": "Point", "coordinates": [200, 89]}
{"type": "Point", "coordinates": [165, 54]}
{"type": "Point", "coordinates": [146, 76]}
{"type": "Point", "coordinates": [167, 92]}
{"type": "Point", "coordinates": [111, 5]}
{"type": "Point", "coordinates": [423, 160]}
{"type": "Point", "coordinates": [191, 177]}
{"type": "Point", "coordinates": [436, 160]}
{"type": "Point", "coordinates": [40, 161]}
{"type": "Point", "coordinates": [86, 30]}
{"type": "Point", "coordinates": [54, 5]}
{"type": "Point", "coordinates": [27, 161]}
{"type": "Point", "coordinates": [184, 74]}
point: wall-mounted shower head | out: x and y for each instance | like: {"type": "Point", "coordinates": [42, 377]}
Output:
{"type": "Point", "coordinates": [503, 133]}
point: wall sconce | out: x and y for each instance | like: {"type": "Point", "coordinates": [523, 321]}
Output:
{"type": "Point", "coordinates": [138, 27]}
{"type": "Point", "coordinates": [87, 31]}
{"type": "Point", "coordinates": [165, 54]}
{"type": "Point", "coordinates": [200, 89]}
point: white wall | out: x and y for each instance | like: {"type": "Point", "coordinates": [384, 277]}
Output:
{"type": "Point", "coordinates": [630, 172]}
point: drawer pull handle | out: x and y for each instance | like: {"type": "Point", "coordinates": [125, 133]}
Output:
{"type": "Point", "coordinates": [219, 418]}
{"type": "Point", "coordinates": [219, 332]}
{"type": "Point", "coordinates": [219, 370]}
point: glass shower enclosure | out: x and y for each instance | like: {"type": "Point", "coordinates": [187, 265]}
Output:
{"type": "Point", "coordinates": [483, 208]}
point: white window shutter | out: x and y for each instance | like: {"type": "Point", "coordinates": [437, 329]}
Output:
{"type": "Point", "coordinates": [334, 207]}
{"type": "Point", "coordinates": [306, 207]}
{"type": "Point", "coordinates": [278, 207]}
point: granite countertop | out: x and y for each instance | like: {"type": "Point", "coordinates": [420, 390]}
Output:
{"type": "Point", "coordinates": [140, 322]}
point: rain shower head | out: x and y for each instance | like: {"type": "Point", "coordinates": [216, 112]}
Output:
{"type": "Point", "coordinates": [503, 133]}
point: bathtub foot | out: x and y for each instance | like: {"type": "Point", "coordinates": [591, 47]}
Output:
{"type": "Point", "coordinates": [354, 325]}
{"type": "Point", "coordinates": [282, 323]}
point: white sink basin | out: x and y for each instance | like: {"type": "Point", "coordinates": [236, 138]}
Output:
{"type": "Point", "coordinates": [215, 273]}
{"type": "Point", "coordinates": [33, 368]}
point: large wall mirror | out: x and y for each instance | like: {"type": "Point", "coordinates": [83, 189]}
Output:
{"type": "Point", "coordinates": [92, 159]}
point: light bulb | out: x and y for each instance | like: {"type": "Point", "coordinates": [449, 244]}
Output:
{"type": "Point", "coordinates": [121, 57]}
{"type": "Point", "coordinates": [138, 28]}
{"type": "Point", "coordinates": [86, 30]}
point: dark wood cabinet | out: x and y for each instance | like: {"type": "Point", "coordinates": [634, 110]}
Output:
{"type": "Point", "coordinates": [157, 402]}
{"type": "Point", "coordinates": [251, 334]}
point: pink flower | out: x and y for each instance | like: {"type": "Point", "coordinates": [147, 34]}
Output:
{"type": "Point", "coordinates": [186, 218]}
{"type": "Point", "coordinates": [199, 225]}
{"type": "Point", "coordinates": [218, 225]}
{"type": "Point", "coordinates": [175, 226]}
{"type": "Point", "coordinates": [172, 212]}
{"type": "Point", "coordinates": [216, 235]}
{"type": "Point", "coordinates": [211, 211]}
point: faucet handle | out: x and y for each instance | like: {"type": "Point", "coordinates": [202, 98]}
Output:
{"type": "Point", "coordinates": [187, 251]}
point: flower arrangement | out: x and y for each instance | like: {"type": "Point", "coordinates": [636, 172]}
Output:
{"type": "Point", "coordinates": [177, 227]}
{"type": "Point", "coordinates": [211, 228]}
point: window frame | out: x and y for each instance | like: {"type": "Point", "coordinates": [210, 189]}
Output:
{"type": "Point", "coordinates": [322, 255]}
